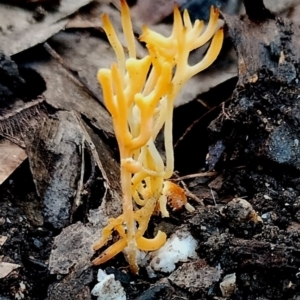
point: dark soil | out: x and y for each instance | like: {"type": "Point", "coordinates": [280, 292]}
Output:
{"type": "Point", "coordinates": [29, 243]}
{"type": "Point", "coordinates": [253, 145]}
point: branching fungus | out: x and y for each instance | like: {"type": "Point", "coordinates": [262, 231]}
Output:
{"type": "Point", "coordinates": [139, 94]}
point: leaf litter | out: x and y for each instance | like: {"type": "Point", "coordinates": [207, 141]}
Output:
{"type": "Point", "coordinates": [71, 252]}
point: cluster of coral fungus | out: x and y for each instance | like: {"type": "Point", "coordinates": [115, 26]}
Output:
{"type": "Point", "coordinates": [139, 94]}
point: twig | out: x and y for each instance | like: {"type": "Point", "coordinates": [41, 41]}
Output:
{"type": "Point", "coordinates": [191, 195]}
{"type": "Point", "coordinates": [188, 193]}
{"type": "Point", "coordinates": [198, 120]}
{"type": "Point", "coordinates": [196, 175]}
{"type": "Point", "coordinates": [77, 200]}
{"type": "Point", "coordinates": [213, 196]}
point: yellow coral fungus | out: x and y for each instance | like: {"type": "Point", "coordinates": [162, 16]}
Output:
{"type": "Point", "coordinates": [139, 94]}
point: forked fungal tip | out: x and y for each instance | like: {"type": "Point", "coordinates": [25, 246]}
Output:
{"type": "Point", "coordinates": [214, 10]}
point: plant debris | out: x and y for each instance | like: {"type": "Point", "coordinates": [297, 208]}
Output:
{"type": "Point", "coordinates": [22, 30]}
{"type": "Point", "coordinates": [196, 277]}
{"type": "Point", "coordinates": [6, 268]}
{"type": "Point", "coordinates": [237, 151]}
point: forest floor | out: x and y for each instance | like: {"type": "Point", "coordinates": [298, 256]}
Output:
{"type": "Point", "coordinates": [237, 154]}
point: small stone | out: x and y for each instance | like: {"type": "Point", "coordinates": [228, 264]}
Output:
{"type": "Point", "coordinates": [37, 243]}
{"type": "Point", "coordinates": [195, 276]}
{"type": "Point", "coordinates": [6, 268]}
{"type": "Point", "coordinates": [2, 239]}
{"type": "Point", "coordinates": [108, 288]}
{"type": "Point", "coordinates": [228, 285]}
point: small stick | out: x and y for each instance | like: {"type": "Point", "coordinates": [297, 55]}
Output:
{"type": "Point", "coordinates": [77, 200]}
{"type": "Point", "coordinates": [212, 193]}
{"type": "Point", "coordinates": [196, 175]}
{"type": "Point", "coordinates": [189, 194]}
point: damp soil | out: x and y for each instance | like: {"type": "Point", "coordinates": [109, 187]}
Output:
{"type": "Point", "coordinates": [265, 258]}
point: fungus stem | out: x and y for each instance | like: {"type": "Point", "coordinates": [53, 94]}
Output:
{"type": "Point", "coordinates": [129, 217]}
{"type": "Point", "coordinates": [140, 94]}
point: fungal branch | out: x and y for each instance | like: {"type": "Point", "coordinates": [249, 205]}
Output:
{"type": "Point", "coordinates": [140, 94]}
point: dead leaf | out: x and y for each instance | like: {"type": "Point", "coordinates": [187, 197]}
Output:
{"type": "Point", "coordinates": [89, 17]}
{"type": "Point", "coordinates": [20, 30]}
{"type": "Point", "coordinates": [65, 92]}
{"type": "Point", "coordinates": [19, 118]}
{"type": "Point", "coordinates": [11, 156]}
{"type": "Point", "coordinates": [280, 6]}
{"type": "Point", "coordinates": [152, 12]}
{"type": "Point", "coordinates": [36, 2]}
{"type": "Point", "coordinates": [110, 170]}
{"type": "Point", "coordinates": [54, 156]}
{"type": "Point", "coordinates": [85, 53]}
{"type": "Point", "coordinates": [73, 246]}
{"type": "Point", "coordinates": [6, 268]}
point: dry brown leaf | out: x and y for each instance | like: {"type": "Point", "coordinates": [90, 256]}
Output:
{"type": "Point", "coordinates": [279, 6]}
{"type": "Point", "coordinates": [87, 17]}
{"type": "Point", "coordinates": [65, 92]}
{"type": "Point", "coordinates": [90, 18]}
{"type": "Point", "coordinates": [20, 30]}
{"type": "Point", "coordinates": [55, 163]}
{"type": "Point", "coordinates": [11, 156]}
{"type": "Point", "coordinates": [36, 2]}
{"type": "Point", "coordinates": [85, 54]}
{"type": "Point", "coordinates": [152, 12]}
{"type": "Point", "coordinates": [73, 246]}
